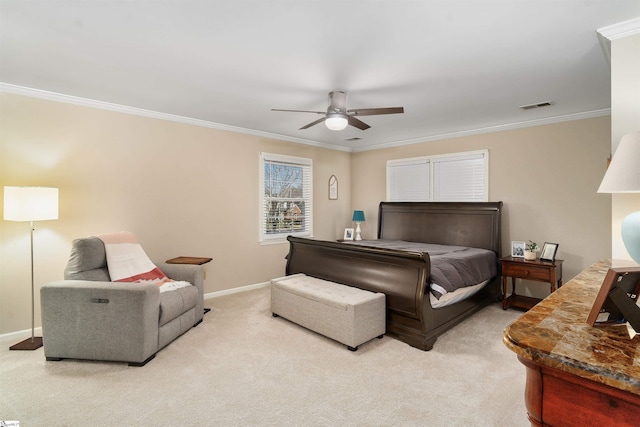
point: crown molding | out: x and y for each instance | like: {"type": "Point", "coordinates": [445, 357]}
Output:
{"type": "Point", "coordinates": [92, 103]}
{"type": "Point", "coordinates": [491, 129]}
{"type": "Point", "coordinates": [614, 32]}
{"type": "Point", "coordinates": [621, 29]}
{"type": "Point", "coordinates": [52, 96]}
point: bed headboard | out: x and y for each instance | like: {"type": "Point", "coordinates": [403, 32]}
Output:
{"type": "Point", "coordinates": [473, 224]}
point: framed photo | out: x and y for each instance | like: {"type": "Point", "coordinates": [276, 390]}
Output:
{"type": "Point", "coordinates": [616, 300]}
{"type": "Point", "coordinates": [333, 188]}
{"type": "Point", "coordinates": [549, 251]}
{"type": "Point", "coordinates": [517, 249]}
{"type": "Point", "coordinates": [348, 234]}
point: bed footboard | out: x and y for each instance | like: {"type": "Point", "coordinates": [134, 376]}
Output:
{"type": "Point", "coordinates": [402, 277]}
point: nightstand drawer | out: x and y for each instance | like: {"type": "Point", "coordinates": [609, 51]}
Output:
{"type": "Point", "coordinates": [529, 272]}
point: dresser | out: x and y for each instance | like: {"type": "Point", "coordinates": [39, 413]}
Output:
{"type": "Point", "coordinates": [577, 375]}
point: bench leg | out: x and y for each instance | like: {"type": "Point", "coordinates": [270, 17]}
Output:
{"type": "Point", "coordinates": [352, 348]}
{"type": "Point", "coordinates": [140, 364]}
{"type": "Point", "coordinates": [275, 315]}
{"type": "Point", "coordinates": [380, 336]}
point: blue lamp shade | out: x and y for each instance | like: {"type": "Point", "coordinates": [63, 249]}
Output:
{"type": "Point", "coordinates": [358, 216]}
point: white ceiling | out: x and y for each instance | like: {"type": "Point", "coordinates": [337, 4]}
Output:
{"type": "Point", "coordinates": [457, 66]}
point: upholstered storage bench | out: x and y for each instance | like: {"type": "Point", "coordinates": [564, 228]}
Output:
{"type": "Point", "coordinates": [343, 313]}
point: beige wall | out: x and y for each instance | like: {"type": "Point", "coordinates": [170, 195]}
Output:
{"type": "Point", "coordinates": [183, 189]}
{"type": "Point", "coordinates": [188, 190]}
{"type": "Point", "coordinates": [625, 118]}
{"type": "Point", "coordinates": [547, 176]}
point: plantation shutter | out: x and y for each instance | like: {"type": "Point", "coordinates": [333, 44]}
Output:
{"type": "Point", "coordinates": [459, 178]}
{"type": "Point", "coordinates": [408, 180]}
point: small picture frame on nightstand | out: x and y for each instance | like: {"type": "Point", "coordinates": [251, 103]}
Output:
{"type": "Point", "coordinates": [517, 249]}
{"type": "Point", "coordinates": [348, 234]}
{"type": "Point", "coordinates": [549, 251]}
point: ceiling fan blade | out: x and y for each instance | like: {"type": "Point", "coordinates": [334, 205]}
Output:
{"type": "Point", "coordinates": [299, 111]}
{"type": "Point", "coordinates": [375, 111]}
{"type": "Point", "coordinates": [312, 123]}
{"type": "Point", "coordinates": [358, 123]}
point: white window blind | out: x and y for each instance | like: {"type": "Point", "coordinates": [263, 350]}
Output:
{"type": "Point", "coordinates": [408, 180]}
{"type": "Point", "coordinates": [286, 196]}
{"type": "Point", "coordinates": [461, 177]}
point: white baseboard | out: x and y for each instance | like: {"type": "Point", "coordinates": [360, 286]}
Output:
{"type": "Point", "coordinates": [21, 335]}
{"type": "Point", "coordinates": [236, 290]}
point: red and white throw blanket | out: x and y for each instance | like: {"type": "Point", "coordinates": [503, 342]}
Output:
{"type": "Point", "coordinates": [127, 262]}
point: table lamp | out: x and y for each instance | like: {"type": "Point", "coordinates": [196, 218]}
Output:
{"type": "Point", "coordinates": [358, 217]}
{"type": "Point", "coordinates": [30, 204]}
{"type": "Point", "coordinates": [623, 176]}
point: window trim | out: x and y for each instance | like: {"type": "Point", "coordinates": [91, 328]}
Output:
{"type": "Point", "coordinates": [430, 160]}
{"type": "Point", "coordinates": [263, 237]}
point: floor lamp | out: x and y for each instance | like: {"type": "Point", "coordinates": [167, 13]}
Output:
{"type": "Point", "coordinates": [30, 204]}
{"type": "Point", "coordinates": [623, 176]}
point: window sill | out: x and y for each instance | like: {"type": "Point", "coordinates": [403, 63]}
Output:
{"type": "Point", "coordinates": [267, 242]}
{"type": "Point", "coordinates": [273, 242]}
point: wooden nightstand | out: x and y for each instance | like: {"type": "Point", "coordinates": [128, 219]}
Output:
{"type": "Point", "coordinates": [537, 271]}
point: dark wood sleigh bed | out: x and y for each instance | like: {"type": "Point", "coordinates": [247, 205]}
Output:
{"type": "Point", "coordinates": [404, 276]}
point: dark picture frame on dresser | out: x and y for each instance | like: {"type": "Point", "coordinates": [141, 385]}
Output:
{"type": "Point", "coordinates": [616, 299]}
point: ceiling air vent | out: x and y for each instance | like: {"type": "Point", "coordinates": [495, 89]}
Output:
{"type": "Point", "coordinates": [537, 105]}
{"type": "Point", "coordinates": [355, 138]}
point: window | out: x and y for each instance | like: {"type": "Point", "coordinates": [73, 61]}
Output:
{"type": "Point", "coordinates": [461, 177]}
{"type": "Point", "coordinates": [286, 206]}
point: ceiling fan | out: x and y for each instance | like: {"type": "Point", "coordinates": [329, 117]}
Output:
{"type": "Point", "coordinates": [337, 117]}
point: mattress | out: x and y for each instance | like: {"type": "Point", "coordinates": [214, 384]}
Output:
{"type": "Point", "coordinates": [452, 267]}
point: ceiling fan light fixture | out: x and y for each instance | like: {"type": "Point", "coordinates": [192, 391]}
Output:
{"type": "Point", "coordinates": [336, 121]}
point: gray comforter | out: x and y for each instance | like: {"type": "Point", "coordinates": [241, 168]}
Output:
{"type": "Point", "coordinates": [452, 267]}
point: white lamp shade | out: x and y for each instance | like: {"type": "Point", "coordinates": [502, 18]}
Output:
{"type": "Point", "coordinates": [30, 203]}
{"type": "Point", "coordinates": [623, 174]}
{"type": "Point", "coordinates": [336, 121]}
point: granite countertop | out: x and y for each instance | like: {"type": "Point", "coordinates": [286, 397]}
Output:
{"type": "Point", "coordinates": [555, 334]}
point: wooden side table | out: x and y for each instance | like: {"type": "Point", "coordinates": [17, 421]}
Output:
{"type": "Point", "coordinates": [537, 271]}
{"type": "Point", "coordinates": [192, 260]}
{"type": "Point", "coordinates": [188, 260]}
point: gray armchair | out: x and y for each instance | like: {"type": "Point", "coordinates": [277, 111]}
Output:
{"type": "Point", "coordinates": [86, 316]}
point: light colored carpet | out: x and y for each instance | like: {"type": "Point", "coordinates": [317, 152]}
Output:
{"type": "Point", "coordinates": [243, 367]}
